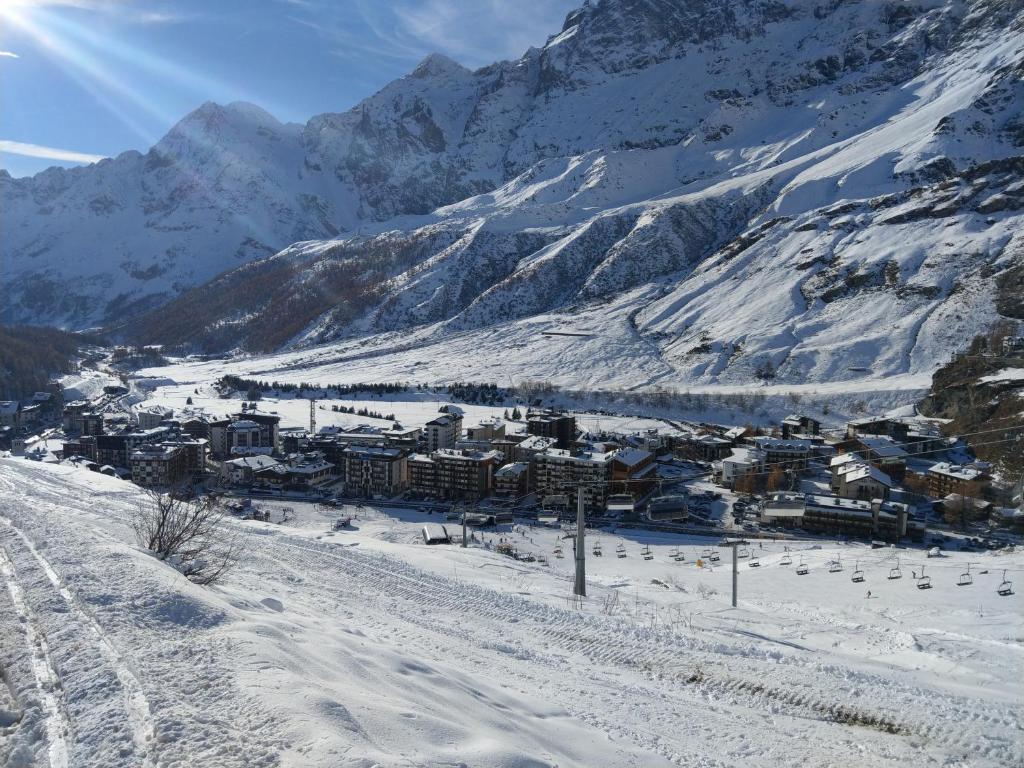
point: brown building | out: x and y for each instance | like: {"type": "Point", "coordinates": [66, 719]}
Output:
{"type": "Point", "coordinates": [158, 466]}
{"type": "Point", "coordinates": [559, 473]}
{"type": "Point", "coordinates": [374, 471]}
{"type": "Point", "coordinates": [512, 479]}
{"type": "Point", "coordinates": [454, 474]}
{"type": "Point", "coordinates": [945, 478]}
{"type": "Point", "coordinates": [560, 426]}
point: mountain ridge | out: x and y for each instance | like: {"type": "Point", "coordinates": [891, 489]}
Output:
{"type": "Point", "coordinates": [648, 143]}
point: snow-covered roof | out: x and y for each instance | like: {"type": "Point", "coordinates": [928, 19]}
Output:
{"type": "Point", "coordinates": [778, 444]}
{"type": "Point", "coordinates": [8, 407]}
{"type": "Point", "coordinates": [252, 462]}
{"type": "Point", "coordinates": [516, 468]}
{"type": "Point", "coordinates": [836, 502]}
{"type": "Point", "coordinates": [465, 455]}
{"type": "Point", "coordinates": [580, 457]}
{"type": "Point", "coordinates": [883, 447]}
{"type": "Point", "coordinates": [632, 456]}
{"type": "Point", "coordinates": [843, 458]}
{"type": "Point", "coordinates": [742, 455]}
{"type": "Point", "coordinates": [956, 471]}
{"type": "Point", "coordinates": [867, 471]}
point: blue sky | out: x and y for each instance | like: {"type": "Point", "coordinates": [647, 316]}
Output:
{"type": "Point", "coordinates": [90, 78]}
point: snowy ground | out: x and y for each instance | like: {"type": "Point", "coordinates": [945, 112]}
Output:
{"type": "Point", "coordinates": [641, 408]}
{"type": "Point", "coordinates": [368, 648]}
{"type": "Point", "coordinates": [411, 409]}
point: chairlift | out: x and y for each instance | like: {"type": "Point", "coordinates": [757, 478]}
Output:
{"type": "Point", "coordinates": [802, 569]}
{"type": "Point", "coordinates": [787, 559]}
{"type": "Point", "coordinates": [835, 566]}
{"type": "Point", "coordinates": [714, 557]}
{"type": "Point", "coordinates": [648, 555]}
{"type": "Point", "coordinates": [924, 582]}
{"type": "Point", "coordinates": [754, 562]}
{"type": "Point", "coordinates": [680, 557]}
{"type": "Point", "coordinates": [743, 553]}
{"type": "Point", "coordinates": [895, 573]}
{"type": "Point", "coordinates": [1005, 588]}
{"type": "Point", "coordinates": [858, 574]}
{"type": "Point", "coordinates": [965, 578]}
{"type": "Point", "coordinates": [620, 551]}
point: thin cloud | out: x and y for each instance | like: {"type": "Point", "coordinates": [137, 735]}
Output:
{"type": "Point", "coordinates": [50, 153]}
{"type": "Point", "coordinates": [10, 54]}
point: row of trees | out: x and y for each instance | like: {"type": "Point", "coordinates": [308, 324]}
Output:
{"type": "Point", "coordinates": [362, 412]}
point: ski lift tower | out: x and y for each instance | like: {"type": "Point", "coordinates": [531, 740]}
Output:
{"type": "Point", "coordinates": [312, 417]}
{"type": "Point", "coordinates": [579, 586]}
{"type": "Point", "coordinates": [734, 543]}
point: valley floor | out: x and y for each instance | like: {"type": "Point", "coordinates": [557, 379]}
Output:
{"type": "Point", "coordinates": [367, 647]}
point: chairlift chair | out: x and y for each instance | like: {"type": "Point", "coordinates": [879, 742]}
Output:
{"type": "Point", "coordinates": [802, 569]}
{"type": "Point", "coordinates": [648, 555]}
{"type": "Point", "coordinates": [743, 553]}
{"type": "Point", "coordinates": [858, 574]}
{"type": "Point", "coordinates": [754, 562]}
{"type": "Point", "coordinates": [714, 557]}
{"type": "Point", "coordinates": [835, 566]}
{"type": "Point", "coordinates": [620, 551]}
{"type": "Point", "coordinates": [925, 582]}
{"type": "Point", "coordinates": [787, 559]}
{"type": "Point", "coordinates": [895, 573]}
{"type": "Point", "coordinates": [1005, 588]}
{"type": "Point", "coordinates": [680, 558]}
{"type": "Point", "coordinates": [965, 578]}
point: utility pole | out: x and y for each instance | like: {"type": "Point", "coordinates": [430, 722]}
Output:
{"type": "Point", "coordinates": [464, 526]}
{"type": "Point", "coordinates": [580, 585]}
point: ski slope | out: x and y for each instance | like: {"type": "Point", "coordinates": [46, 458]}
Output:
{"type": "Point", "coordinates": [368, 648]}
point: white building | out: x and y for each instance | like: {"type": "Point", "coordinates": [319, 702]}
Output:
{"type": "Point", "coordinates": [742, 462]}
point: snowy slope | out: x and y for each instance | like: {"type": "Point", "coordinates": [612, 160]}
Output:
{"type": "Point", "coordinates": [369, 648]}
{"type": "Point", "coordinates": [860, 159]}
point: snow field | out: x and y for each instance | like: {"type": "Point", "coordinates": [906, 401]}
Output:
{"type": "Point", "coordinates": [366, 647]}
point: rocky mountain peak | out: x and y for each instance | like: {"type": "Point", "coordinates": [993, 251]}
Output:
{"type": "Point", "coordinates": [438, 65]}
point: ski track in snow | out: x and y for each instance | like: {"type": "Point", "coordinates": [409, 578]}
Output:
{"type": "Point", "coordinates": [48, 683]}
{"type": "Point", "coordinates": [720, 696]}
{"type": "Point", "coordinates": [136, 703]}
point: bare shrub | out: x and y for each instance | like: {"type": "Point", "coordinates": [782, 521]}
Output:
{"type": "Point", "coordinates": [191, 535]}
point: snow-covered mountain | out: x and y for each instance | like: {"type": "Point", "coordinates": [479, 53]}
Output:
{"type": "Point", "coordinates": [823, 185]}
